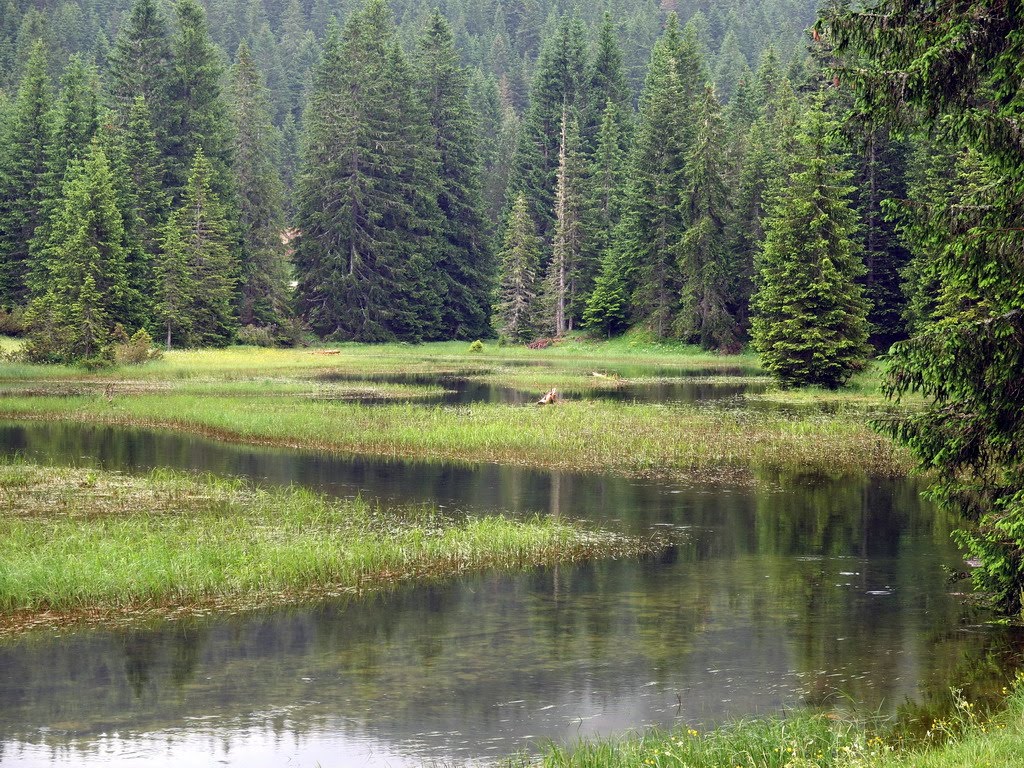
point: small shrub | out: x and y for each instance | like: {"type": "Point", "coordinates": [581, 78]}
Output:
{"type": "Point", "coordinates": [476, 346]}
{"type": "Point", "coordinates": [257, 336]}
{"type": "Point", "coordinates": [119, 335]}
{"type": "Point", "coordinates": [12, 321]}
{"type": "Point", "coordinates": [503, 340]}
{"type": "Point", "coordinates": [136, 350]}
{"type": "Point", "coordinates": [292, 332]}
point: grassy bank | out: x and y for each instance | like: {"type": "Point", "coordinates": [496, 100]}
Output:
{"type": "Point", "coordinates": [83, 541]}
{"type": "Point", "coordinates": [965, 740]}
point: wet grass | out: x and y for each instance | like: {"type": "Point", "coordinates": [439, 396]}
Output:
{"type": "Point", "coordinates": [310, 398]}
{"type": "Point", "coordinates": [966, 740]}
{"type": "Point", "coordinates": [76, 541]}
{"type": "Point", "coordinates": [627, 438]}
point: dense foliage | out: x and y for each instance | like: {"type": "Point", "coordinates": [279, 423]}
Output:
{"type": "Point", "coordinates": [953, 69]}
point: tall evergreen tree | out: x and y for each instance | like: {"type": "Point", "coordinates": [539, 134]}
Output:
{"type": "Point", "coordinates": [87, 288]}
{"type": "Point", "coordinates": [956, 68]}
{"type": "Point", "coordinates": [367, 192]}
{"type": "Point", "coordinates": [464, 270]}
{"type": "Point", "coordinates": [198, 254]}
{"type": "Point", "coordinates": [24, 168]}
{"type": "Point", "coordinates": [264, 275]}
{"type": "Point", "coordinates": [517, 283]}
{"type": "Point", "coordinates": [199, 117]}
{"type": "Point", "coordinates": [607, 84]}
{"type": "Point", "coordinates": [704, 313]}
{"type": "Point", "coordinates": [559, 81]}
{"type": "Point", "coordinates": [567, 275]}
{"type": "Point", "coordinates": [653, 221]}
{"type": "Point", "coordinates": [810, 316]}
{"type": "Point", "coordinates": [140, 64]}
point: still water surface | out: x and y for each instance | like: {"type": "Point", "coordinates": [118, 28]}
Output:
{"type": "Point", "coordinates": [789, 592]}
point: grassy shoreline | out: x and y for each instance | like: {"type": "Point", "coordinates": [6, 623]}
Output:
{"type": "Point", "coordinates": [80, 543]}
{"type": "Point", "coordinates": [965, 739]}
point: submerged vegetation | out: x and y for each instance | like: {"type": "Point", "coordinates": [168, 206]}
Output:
{"type": "Point", "coordinates": [87, 542]}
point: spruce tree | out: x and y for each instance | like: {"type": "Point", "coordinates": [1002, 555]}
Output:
{"type": "Point", "coordinates": [607, 85]}
{"type": "Point", "coordinates": [567, 275]}
{"type": "Point", "coordinates": [810, 316]}
{"type": "Point", "coordinates": [704, 313]}
{"type": "Point", "coordinates": [198, 236]}
{"type": "Point", "coordinates": [87, 288]}
{"type": "Point", "coordinates": [367, 193]}
{"type": "Point", "coordinates": [140, 64]}
{"type": "Point", "coordinates": [464, 270]}
{"type": "Point", "coordinates": [967, 358]}
{"type": "Point", "coordinates": [264, 276]}
{"type": "Point", "coordinates": [198, 114]}
{"type": "Point", "coordinates": [24, 176]}
{"type": "Point", "coordinates": [653, 220]}
{"type": "Point", "coordinates": [559, 81]}
{"type": "Point", "coordinates": [517, 282]}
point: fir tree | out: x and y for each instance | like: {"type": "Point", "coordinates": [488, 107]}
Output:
{"type": "Point", "coordinates": [520, 260]}
{"type": "Point", "coordinates": [198, 236]}
{"type": "Point", "coordinates": [607, 84]}
{"type": "Point", "coordinates": [464, 270]}
{"type": "Point", "coordinates": [24, 175]}
{"type": "Point", "coordinates": [704, 315]}
{"type": "Point", "coordinates": [810, 316]}
{"type": "Point", "coordinates": [558, 82]}
{"type": "Point", "coordinates": [255, 154]}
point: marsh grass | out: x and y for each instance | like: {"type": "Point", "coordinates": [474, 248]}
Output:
{"type": "Point", "coordinates": [86, 540]}
{"type": "Point", "coordinates": [627, 438]}
{"type": "Point", "coordinates": [835, 740]}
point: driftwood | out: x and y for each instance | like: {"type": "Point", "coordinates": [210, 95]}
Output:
{"type": "Point", "coordinates": [549, 399]}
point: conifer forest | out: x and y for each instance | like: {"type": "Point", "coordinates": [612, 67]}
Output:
{"type": "Point", "coordinates": [825, 196]}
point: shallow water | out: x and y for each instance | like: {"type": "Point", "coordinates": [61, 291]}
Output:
{"type": "Point", "coordinates": [789, 592]}
{"type": "Point", "coordinates": [667, 386]}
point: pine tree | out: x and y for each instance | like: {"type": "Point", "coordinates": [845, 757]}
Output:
{"type": "Point", "coordinates": [517, 289]}
{"type": "Point", "coordinates": [198, 236]}
{"type": "Point", "coordinates": [607, 84]}
{"type": "Point", "coordinates": [704, 315]}
{"type": "Point", "coordinates": [810, 316]}
{"type": "Point", "coordinates": [87, 288]}
{"type": "Point", "coordinates": [264, 276]}
{"type": "Point", "coordinates": [607, 182]}
{"type": "Point", "coordinates": [567, 276]}
{"type": "Point", "coordinates": [464, 270]}
{"type": "Point", "coordinates": [24, 173]}
{"type": "Point", "coordinates": [367, 192]}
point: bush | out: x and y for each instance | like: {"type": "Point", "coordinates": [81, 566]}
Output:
{"type": "Point", "coordinates": [476, 346]}
{"type": "Point", "coordinates": [257, 336]}
{"type": "Point", "coordinates": [137, 350]}
{"type": "Point", "coordinates": [12, 322]}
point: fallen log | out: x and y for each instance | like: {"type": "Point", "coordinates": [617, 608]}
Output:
{"type": "Point", "coordinates": [549, 399]}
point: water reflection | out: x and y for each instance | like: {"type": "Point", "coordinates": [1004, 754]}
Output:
{"type": "Point", "coordinates": [794, 592]}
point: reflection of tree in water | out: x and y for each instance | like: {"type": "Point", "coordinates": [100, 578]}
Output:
{"type": "Point", "coordinates": [141, 651]}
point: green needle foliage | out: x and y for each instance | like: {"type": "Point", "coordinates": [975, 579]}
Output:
{"type": "Point", "coordinates": [810, 317]}
{"type": "Point", "coordinates": [954, 68]}
{"type": "Point", "coordinates": [86, 275]}
{"type": "Point", "coordinates": [517, 288]}
{"type": "Point", "coordinates": [198, 255]}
